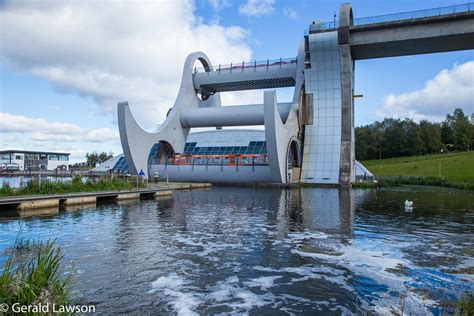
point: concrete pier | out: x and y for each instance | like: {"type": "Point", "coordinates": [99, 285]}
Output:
{"type": "Point", "coordinates": [31, 205]}
{"type": "Point", "coordinates": [163, 193]}
{"type": "Point", "coordinates": [43, 203]}
{"type": "Point", "coordinates": [79, 200]}
{"type": "Point", "coordinates": [127, 196]}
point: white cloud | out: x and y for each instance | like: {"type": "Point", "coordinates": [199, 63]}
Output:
{"type": "Point", "coordinates": [115, 51]}
{"type": "Point", "coordinates": [255, 8]}
{"type": "Point", "coordinates": [448, 90]}
{"type": "Point", "coordinates": [290, 13]}
{"type": "Point", "coordinates": [218, 5]}
{"type": "Point", "coordinates": [40, 130]}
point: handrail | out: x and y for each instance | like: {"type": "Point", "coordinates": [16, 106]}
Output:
{"type": "Point", "coordinates": [252, 65]}
{"type": "Point", "coordinates": [222, 160]}
{"type": "Point", "coordinates": [402, 16]}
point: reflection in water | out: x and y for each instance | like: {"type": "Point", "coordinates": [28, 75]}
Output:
{"type": "Point", "coordinates": [271, 251]}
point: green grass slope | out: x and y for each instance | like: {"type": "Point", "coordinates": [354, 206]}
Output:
{"type": "Point", "coordinates": [455, 167]}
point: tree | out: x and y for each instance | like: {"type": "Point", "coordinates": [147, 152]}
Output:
{"type": "Point", "coordinates": [460, 129]}
{"type": "Point", "coordinates": [414, 144]}
{"type": "Point", "coordinates": [431, 136]}
{"type": "Point", "coordinates": [470, 134]}
{"type": "Point", "coordinates": [93, 159]}
{"type": "Point", "coordinates": [79, 166]}
{"type": "Point", "coordinates": [447, 135]}
{"type": "Point", "coordinates": [454, 130]}
{"type": "Point", "coordinates": [362, 143]}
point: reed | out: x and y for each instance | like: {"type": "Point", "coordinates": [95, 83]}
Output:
{"type": "Point", "coordinates": [34, 186]}
{"type": "Point", "coordinates": [35, 281]}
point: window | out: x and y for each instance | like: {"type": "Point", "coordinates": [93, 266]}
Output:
{"type": "Point", "coordinates": [19, 157]}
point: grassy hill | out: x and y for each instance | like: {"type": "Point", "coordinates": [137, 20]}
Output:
{"type": "Point", "coordinates": [455, 167]}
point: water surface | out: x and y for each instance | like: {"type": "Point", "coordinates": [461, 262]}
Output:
{"type": "Point", "coordinates": [267, 251]}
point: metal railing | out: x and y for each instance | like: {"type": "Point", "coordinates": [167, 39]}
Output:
{"type": "Point", "coordinates": [219, 160]}
{"type": "Point", "coordinates": [403, 16]}
{"type": "Point", "coordinates": [252, 65]}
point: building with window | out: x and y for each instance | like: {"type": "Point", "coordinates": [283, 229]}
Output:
{"type": "Point", "coordinates": [228, 156]}
{"type": "Point", "coordinates": [35, 160]}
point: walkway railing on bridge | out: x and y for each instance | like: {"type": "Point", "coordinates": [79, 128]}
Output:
{"type": "Point", "coordinates": [403, 16]}
{"type": "Point", "coordinates": [252, 65]}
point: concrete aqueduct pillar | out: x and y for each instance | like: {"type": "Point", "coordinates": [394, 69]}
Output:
{"type": "Point", "coordinates": [347, 172]}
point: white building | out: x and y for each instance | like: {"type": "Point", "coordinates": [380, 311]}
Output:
{"type": "Point", "coordinates": [35, 160]}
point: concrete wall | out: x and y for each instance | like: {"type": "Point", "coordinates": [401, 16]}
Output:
{"type": "Point", "coordinates": [213, 173]}
{"type": "Point", "coordinates": [322, 143]}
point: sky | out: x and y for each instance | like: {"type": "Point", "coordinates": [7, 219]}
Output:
{"type": "Point", "coordinates": [64, 65]}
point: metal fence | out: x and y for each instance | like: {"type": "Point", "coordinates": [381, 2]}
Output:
{"type": "Point", "coordinates": [251, 65]}
{"type": "Point", "coordinates": [403, 16]}
{"type": "Point", "coordinates": [219, 160]}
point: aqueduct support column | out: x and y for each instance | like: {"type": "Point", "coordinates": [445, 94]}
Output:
{"type": "Point", "coordinates": [346, 171]}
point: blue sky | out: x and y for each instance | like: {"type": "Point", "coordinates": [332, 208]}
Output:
{"type": "Point", "coordinates": [64, 68]}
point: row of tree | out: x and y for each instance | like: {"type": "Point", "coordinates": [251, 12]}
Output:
{"type": "Point", "coordinates": [397, 138]}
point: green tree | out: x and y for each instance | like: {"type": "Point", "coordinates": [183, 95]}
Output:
{"type": "Point", "coordinates": [414, 144]}
{"type": "Point", "coordinates": [394, 140]}
{"type": "Point", "coordinates": [447, 134]}
{"type": "Point", "coordinates": [431, 136]}
{"type": "Point", "coordinates": [362, 142]}
{"type": "Point", "coordinates": [454, 130]}
{"type": "Point", "coordinates": [79, 166]}
{"type": "Point", "coordinates": [93, 159]}
{"type": "Point", "coordinates": [460, 128]}
{"type": "Point", "coordinates": [470, 134]}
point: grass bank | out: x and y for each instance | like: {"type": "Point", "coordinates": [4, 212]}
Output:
{"type": "Point", "coordinates": [75, 185]}
{"type": "Point", "coordinates": [454, 167]}
{"type": "Point", "coordinates": [428, 181]}
{"type": "Point", "coordinates": [453, 170]}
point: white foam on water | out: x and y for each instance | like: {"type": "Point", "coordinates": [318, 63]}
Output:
{"type": "Point", "coordinates": [188, 241]}
{"type": "Point", "coordinates": [232, 294]}
{"type": "Point", "coordinates": [171, 281]}
{"type": "Point", "coordinates": [183, 300]}
{"type": "Point", "coordinates": [309, 272]}
{"type": "Point", "coordinates": [372, 264]}
{"type": "Point", "coordinates": [265, 269]}
{"type": "Point", "coordinates": [183, 303]}
{"type": "Point", "coordinates": [307, 235]}
{"type": "Point", "coordinates": [220, 295]}
{"type": "Point", "coordinates": [250, 300]}
{"type": "Point", "coordinates": [376, 261]}
{"type": "Point", "coordinates": [263, 282]}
